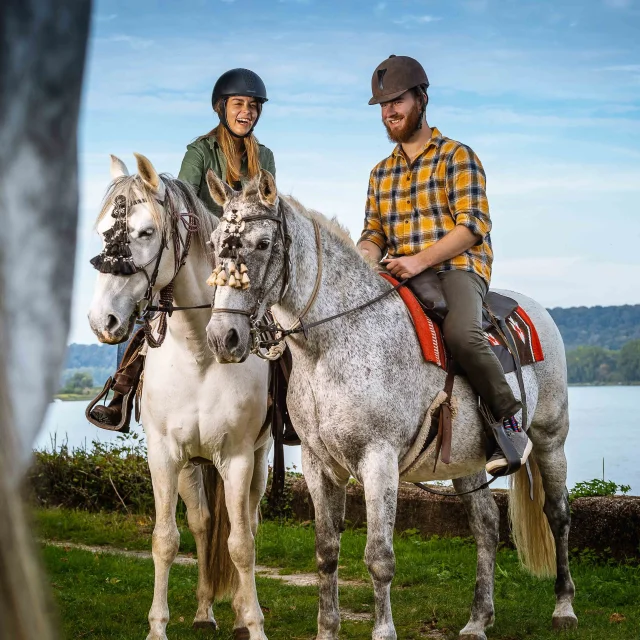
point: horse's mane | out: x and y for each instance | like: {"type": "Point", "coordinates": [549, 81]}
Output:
{"type": "Point", "coordinates": [178, 191]}
{"type": "Point", "coordinates": [330, 224]}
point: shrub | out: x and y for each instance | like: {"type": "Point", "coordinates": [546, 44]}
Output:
{"type": "Point", "coordinates": [109, 476]}
{"type": "Point", "coordinates": [597, 488]}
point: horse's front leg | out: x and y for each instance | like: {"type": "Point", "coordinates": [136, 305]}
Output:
{"type": "Point", "coordinates": [379, 474]}
{"type": "Point", "coordinates": [328, 498]}
{"type": "Point", "coordinates": [237, 475]}
{"type": "Point", "coordinates": [484, 520]}
{"type": "Point", "coordinates": [191, 489]}
{"type": "Point", "coordinates": [166, 538]}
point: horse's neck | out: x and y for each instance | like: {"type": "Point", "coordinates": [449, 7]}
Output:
{"type": "Point", "coordinates": [190, 289]}
{"type": "Point", "coordinates": [347, 281]}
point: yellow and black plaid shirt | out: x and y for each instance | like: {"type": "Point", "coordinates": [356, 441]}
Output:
{"type": "Point", "coordinates": [412, 206]}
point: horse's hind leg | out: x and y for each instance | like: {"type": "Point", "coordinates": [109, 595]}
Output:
{"type": "Point", "coordinates": [191, 489]}
{"type": "Point", "coordinates": [552, 462]}
{"type": "Point", "coordinates": [379, 474]}
{"type": "Point", "coordinates": [484, 520]}
{"type": "Point", "coordinates": [166, 538]}
{"type": "Point", "coordinates": [328, 501]}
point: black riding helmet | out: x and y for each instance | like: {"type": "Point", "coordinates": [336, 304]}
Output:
{"type": "Point", "coordinates": [238, 82]}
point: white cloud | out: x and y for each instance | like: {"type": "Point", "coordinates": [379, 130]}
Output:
{"type": "Point", "coordinates": [133, 41]}
{"type": "Point", "coordinates": [106, 18]}
{"type": "Point", "coordinates": [410, 20]}
{"type": "Point", "coordinates": [618, 4]}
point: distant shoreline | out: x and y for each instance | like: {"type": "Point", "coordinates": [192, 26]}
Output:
{"type": "Point", "coordinates": [76, 397]}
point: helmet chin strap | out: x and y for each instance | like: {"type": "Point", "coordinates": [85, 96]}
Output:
{"type": "Point", "coordinates": [224, 121]}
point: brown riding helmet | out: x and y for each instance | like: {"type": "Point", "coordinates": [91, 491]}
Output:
{"type": "Point", "coordinates": [394, 76]}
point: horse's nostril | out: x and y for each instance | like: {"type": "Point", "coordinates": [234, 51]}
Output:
{"type": "Point", "coordinates": [231, 340]}
{"type": "Point", "coordinates": [112, 323]}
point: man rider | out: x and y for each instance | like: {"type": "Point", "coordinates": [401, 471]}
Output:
{"type": "Point", "coordinates": [427, 209]}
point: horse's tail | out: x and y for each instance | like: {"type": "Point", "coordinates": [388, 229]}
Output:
{"type": "Point", "coordinates": [221, 568]}
{"type": "Point", "coordinates": [529, 527]}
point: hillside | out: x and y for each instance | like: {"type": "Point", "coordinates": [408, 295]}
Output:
{"type": "Point", "coordinates": [594, 338]}
{"type": "Point", "coordinates": [606, 327]}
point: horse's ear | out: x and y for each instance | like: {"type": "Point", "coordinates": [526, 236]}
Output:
{"type": "Point", "coordinates": [267, 188]}
{"type": "Point", "coordinates": [118, 168]}
{"type": "Point", "coordinates": [220, 191]}
{"type": "Point", "coordinates": [149, 175]}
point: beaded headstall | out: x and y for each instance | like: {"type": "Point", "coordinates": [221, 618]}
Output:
{"type": "Point", "coordinates": [116, 257]}
{"type": "Point", "coordinates": [232, 271]}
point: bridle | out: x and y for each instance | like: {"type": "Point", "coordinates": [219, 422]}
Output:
{"type": "Point", "coordinates": [116, 259]}
{"type": "Point", "coordinates": [268, 339]}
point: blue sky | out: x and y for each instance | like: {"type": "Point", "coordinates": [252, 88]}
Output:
{"type": "Point", "coordinates": [546, 93]}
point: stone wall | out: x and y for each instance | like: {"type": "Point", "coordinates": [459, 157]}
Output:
{"type": "Point", "coordinates": [608, 526]}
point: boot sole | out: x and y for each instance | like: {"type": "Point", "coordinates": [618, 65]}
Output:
{"type": "Point", "coordinates": [495, 466]}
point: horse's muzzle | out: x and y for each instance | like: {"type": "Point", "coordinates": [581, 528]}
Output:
{"type": "Point", "coordinates": [229, 341]}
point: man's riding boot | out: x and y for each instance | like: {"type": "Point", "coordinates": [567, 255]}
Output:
{"type": "Point", "coordinates": [116, 416]}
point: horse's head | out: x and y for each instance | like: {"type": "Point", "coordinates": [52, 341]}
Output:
{"type": "Point", "coordinates": [251, 249]}
{"type": "Point", "coordinates": [133, 264]}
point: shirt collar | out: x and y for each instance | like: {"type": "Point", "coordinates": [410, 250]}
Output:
{"type": "Point", "coordinates": [436, 139]}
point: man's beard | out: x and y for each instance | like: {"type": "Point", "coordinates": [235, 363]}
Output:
{"type": "Point", "coordinates": [408, 127]}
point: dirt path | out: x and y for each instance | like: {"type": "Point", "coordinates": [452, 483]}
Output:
{"type": "Point", "coordinates": [295, 579]}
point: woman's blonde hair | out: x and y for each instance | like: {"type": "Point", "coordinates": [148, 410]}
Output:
{"type": "Point", "coordinates": [227, 143]}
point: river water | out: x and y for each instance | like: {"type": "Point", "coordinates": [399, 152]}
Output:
{"type": "Point", "coordinates": [604, 425]}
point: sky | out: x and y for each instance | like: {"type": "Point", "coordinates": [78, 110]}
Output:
{"type": "Point", "coordinates": [546, 93]}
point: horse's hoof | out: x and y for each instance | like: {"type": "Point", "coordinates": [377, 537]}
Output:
{"type": "Point", "coordinates": [473, 636]}
{"type": "Point", "coordinates": [241, 633]}
{"type": "Point", "coordinates": [206, 625]}
{"type": "Point", "coordinates": [565, 621]}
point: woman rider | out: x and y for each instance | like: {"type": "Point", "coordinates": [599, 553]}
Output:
{"type": "Point", "coordinates": [234, 154]}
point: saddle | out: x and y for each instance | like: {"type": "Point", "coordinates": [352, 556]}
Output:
{"type": "Point", "coordinates": [510, 333]}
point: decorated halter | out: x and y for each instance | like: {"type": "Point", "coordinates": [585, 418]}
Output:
{"type": "Point", "coordinates": [116, 259]}
{"type": "Point", "coordinates": [232, 272]}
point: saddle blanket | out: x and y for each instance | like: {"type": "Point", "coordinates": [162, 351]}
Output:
{"type": "Point", "coordinates": [522, 329]}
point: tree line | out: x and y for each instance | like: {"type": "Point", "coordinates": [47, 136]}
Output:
{"type": "Point", "coordinates": [596, 365]}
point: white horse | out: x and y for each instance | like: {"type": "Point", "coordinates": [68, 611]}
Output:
{"type": "Point", "coordinates": [193, 409]}
{"type": "Point", "coordinates": [360, 392]}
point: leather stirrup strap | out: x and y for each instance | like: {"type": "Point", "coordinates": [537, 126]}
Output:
{"type": "Point", "coordinates": [443, 442]}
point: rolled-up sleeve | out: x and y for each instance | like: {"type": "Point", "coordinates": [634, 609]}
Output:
{"type": "Point", "coordinates": [466, 191]}
{"type": "Point", "coordinates": [373, 231]}
{"type": "Point", "coordinates": [192, 167]}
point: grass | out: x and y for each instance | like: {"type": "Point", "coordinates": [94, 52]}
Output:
{"type": "Point", "coordinates": [108, 597]}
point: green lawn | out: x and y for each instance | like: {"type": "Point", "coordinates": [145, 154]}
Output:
{"type": "Point", "coordinates": [108, 597]}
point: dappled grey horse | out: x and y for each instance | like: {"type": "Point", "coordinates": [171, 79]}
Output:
{"type": "Point", "coordinates": [360, 392]}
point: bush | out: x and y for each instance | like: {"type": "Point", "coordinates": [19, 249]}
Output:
{"type": "Point", "coordinates": [109, 476]}
{"type": "Point", "coordinates": [597, 488]}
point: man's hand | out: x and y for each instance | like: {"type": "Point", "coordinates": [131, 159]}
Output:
{"type": "Point", "coordinates": [406, 266]}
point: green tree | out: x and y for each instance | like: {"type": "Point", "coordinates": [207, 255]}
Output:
{"type": "Point", "coordinates": [79, 381]}
{"type": "Point", "coordinates": [629, 361]}
{"type": "Point", "coordinates": [592, 364]}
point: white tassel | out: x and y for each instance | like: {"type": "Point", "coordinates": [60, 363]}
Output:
{"type": "Point", "coordinates": [245, 278]}
{"type": "Point", "coordinates": [232, 280]}
{"type": "Point", "coordinates": [243, 268]}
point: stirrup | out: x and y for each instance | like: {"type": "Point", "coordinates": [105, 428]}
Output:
{"type": "Point", "coordinates": [511, 455]}
{"type": "Point", "coordinates": [127, 404]}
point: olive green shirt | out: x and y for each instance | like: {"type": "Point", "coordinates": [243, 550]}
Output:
{"type": "Point", "coordinates": [205, 154]}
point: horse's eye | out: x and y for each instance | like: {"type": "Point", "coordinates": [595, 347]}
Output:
{"type": "Point", "coordinates": [263, 245]}
{"type": "Point", "coordinates": [146, 233]}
